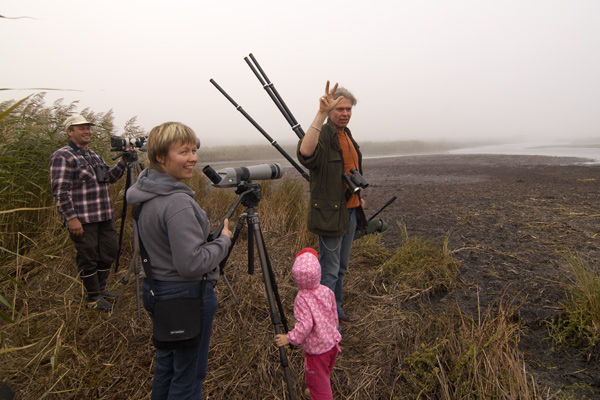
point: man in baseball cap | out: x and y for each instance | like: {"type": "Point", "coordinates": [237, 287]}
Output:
{"type": "Point", "coordinates": [80, 183]}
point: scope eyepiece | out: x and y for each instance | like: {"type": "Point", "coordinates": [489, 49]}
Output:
{"type": "Point", "coordinates": [211, 174]}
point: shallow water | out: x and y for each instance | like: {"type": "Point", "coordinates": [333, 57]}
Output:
{"type": "Point", "coordinates": [587, 151]}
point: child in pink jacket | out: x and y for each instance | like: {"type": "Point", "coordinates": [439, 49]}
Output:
{"type": "Point", "coordinates": [316, 329]}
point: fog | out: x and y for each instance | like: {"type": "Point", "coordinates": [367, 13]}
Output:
{"type": "Point", "coordinates": [513, 70]}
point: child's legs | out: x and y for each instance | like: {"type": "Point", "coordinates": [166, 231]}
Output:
{"type": "Point", "coordinates": [317, 371]}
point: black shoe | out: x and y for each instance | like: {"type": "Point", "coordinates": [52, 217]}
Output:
{"type": "Point", "coordinates": [100, 304]}
{"type": "Point", "coordinates": [106, 293]}
{"type": "Point", "coordinates": [349, 317]}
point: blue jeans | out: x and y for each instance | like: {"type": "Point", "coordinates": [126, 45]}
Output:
{"type": "Point", "coordinates": [179, 373]}
{"type": "Point", "coordinates": [335, 254]}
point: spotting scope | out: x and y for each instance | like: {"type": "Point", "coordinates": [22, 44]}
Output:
{"type": "Point", "coordinates": [232, 177]}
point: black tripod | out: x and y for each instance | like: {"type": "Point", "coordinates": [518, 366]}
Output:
{"type": "Point", "coordinates": [133, 165]}
{"type": "Point", "coordinates": [250, 195]}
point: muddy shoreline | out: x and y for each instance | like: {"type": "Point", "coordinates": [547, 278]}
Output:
{"type": "Point", "coordinates": [511, 221]}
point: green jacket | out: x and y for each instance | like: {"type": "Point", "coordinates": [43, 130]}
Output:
{"type": "Point", "coordinates": [327, 213]}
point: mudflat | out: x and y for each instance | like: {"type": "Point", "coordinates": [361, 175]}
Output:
{"type": "Point", "coordinates": [512, 221]}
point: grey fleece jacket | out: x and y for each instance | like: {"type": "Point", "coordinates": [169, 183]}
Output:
{"type": "Point", "coordinates": [175, 229]}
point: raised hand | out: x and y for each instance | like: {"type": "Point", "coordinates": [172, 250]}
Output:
{"type": "Point", "coordinates": [326, 102]}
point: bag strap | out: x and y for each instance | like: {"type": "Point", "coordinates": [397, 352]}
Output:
{"type": "Point", "coordinates": [146, 258]}
{"type": "Point", "coordinates": [143, 252]}
{"type": "Point", "coordinates": [146, 265]}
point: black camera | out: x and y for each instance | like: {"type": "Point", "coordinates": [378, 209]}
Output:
{"type": "Point", "coordinates": [355, 181]}
{"type": "Point", "coordinates": [118, 143]}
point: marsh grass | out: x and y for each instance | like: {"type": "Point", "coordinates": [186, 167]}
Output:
{"type": "Point", "coordinates": [579, 323]}
{"type": "Point", "coordinates": [58, 349]}
{"type": "Point", "coordinates": [457, 357]}
{"type": "Point", "coordinates": [418, 267]}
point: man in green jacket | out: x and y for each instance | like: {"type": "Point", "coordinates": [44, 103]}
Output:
{"type": "Point", "coordinates": [328, 151]}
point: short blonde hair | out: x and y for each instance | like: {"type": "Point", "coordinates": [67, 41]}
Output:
{"type": "Point", "coordinates": [161, 138]}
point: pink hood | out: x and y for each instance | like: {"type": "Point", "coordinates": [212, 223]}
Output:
{"type": "Point", "coordinates": [307, 270]}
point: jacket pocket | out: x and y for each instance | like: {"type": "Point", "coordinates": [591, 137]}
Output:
{"type": "Point", "coordinates": [85, 175]}
{"type": "Point", "coordinates": [325, 216]}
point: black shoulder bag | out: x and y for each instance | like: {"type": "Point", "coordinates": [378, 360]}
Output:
{"type": "Point", "coordinates": [177, 321]}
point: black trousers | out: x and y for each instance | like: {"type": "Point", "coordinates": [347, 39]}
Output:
{"type": "Point", "coordinates": [97, 248]}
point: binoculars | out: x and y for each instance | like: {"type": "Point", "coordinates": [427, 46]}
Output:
{"type": "Point", "coordinates": [355, 181]}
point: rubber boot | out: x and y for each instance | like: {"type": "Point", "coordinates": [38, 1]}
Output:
{"type": "Point", "coordinates": [94, 298]}
{"type": "Point", "coordinates": [102, 278]}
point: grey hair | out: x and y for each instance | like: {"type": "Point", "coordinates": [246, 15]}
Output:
{"type": "Point", "coordinates": [342, 91]}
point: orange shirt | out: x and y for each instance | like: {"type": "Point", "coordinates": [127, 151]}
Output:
{"type": "Point", "coordinates": [350, 161]}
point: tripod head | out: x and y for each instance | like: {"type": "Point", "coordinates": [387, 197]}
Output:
{"type": "Point", "coordinates": [250, 194]}
{"type": "Point", "coordinates": [129, 156]}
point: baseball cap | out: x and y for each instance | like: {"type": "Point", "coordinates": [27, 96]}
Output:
{"type": "Point", "coordinates": [77, 120]}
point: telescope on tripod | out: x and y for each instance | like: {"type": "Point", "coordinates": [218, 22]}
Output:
{"type": "Point", "coordinates": [249, 195]}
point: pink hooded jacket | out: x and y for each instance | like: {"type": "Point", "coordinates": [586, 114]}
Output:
{"type": "Point", "coordinates": [316, 329]}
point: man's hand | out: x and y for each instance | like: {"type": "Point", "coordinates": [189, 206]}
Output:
{"type": "Point", "coordinates": [75, 227]}
{"type": "Point", "coordinates": [326, 102]}
{"type": "Point", "coordinates": [127, 156]}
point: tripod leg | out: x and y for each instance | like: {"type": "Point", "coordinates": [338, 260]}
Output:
{"type": "Point", "coordinates": [276, 292]}
{"type": "Point", "coordinates": [133, 267]}
{"type": "Point", "coordinates": [254, 230]}
{"type": "Point", "coordinates": [130, 180]}
{"type": "Point", "coordinates": [250, 253]}
{"type": "Point", "coordinates": [234, 238]}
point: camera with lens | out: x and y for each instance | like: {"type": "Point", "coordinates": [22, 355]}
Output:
{"type": "Point", "coordinates": [355, 181]}
{"type": "Point", "coordinates": [118, 143]}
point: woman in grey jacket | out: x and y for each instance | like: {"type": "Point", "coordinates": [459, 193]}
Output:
{"type": "Point", "coordinates": [174, 231]}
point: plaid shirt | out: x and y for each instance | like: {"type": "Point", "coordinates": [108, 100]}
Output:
{"type": "Point", "coordinates": [74, 185]}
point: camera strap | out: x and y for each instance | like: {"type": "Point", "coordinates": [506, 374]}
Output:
{"type": "Point", "coordinates": [348, 194]}
{"type": "Point", "coordinates": [78, 150]}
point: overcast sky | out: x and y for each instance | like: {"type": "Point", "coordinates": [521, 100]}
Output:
{"type": "Point", "coordinates": [421, 69]}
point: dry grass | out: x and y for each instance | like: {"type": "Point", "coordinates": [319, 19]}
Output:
{"type": "Point", "coordinates": [579, 323]}
{"type": "Point", "coordinates": [58, 349]}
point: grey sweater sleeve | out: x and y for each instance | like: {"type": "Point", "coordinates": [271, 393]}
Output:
{"type": "Point", "coordinates": [192, 255]}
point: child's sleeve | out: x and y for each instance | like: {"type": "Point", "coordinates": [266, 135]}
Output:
{"type": "Point", "coordinates": [304, 322]}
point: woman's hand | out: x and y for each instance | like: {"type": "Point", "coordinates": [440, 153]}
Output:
{"type": "Point", "coordinates": [226, 230]}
